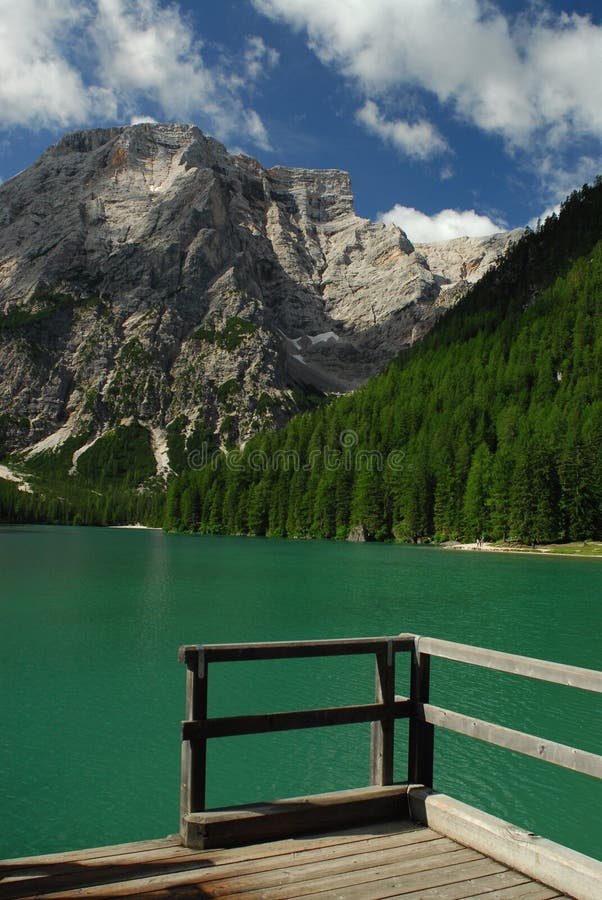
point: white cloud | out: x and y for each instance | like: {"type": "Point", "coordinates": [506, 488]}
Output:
{"type": "Point", "coordinates": [534, 80]}
{"type": "Point", "coordinates": [142, 120]}
{"type": "Point", "coordinates": [38, 85]}
{"type": "Point", "coordinates": [258, 57]}
{"type": "Point", "coordinates": [146, 49]}
{"type": "Point", "coordinates": [441, 226]}
{"type": "Point", "coordinates": [255, 129]}
{"type": "Point", "coordinates": [74, 62]}
{"type": "Point", "coordinates": [419, 140]}
{"type": "Point", "coordinates": [562, 180]}
{"type": "Point", "coordinates": [541, 218]}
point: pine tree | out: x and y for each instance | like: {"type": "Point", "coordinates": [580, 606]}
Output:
{"type": "Point", "coordinates": [476, 505]}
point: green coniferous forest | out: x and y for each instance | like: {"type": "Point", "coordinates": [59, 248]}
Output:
{"type": "Point", "coordinates": [115, 483]}
{"type": "Point", "coordinates": [489, 427]}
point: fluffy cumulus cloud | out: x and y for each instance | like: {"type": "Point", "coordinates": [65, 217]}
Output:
{"type": "Point", "coordinates": [419, 140]}
{"type": "Point", "coordinates": [39, 86]}
{"type": "Point", "coordinates": [442, 226]}
{"type": "Point", "coordinates": [533, 78]}
{"type": "Point", "coordinates": [73, 62]}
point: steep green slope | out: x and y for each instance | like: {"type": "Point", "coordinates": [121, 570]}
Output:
{"type": "Point", "coordinates": [491, 427]}
{"type": "Point", "coordinates": [113, 483]}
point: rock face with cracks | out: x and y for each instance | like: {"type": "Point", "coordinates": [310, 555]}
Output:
{"type": "Point", "coordinates": [148, 275]}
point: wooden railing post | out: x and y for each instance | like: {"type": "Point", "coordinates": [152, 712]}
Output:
{"type": "Point", "coordinates": [422, 734]}
{"type": "Point", "coordinates": [194, 751]}
{"type": "Point", "coordinates": [383, 732]}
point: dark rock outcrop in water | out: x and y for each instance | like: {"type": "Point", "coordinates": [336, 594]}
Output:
{"type": "Point", "coordinates": [147, 275]}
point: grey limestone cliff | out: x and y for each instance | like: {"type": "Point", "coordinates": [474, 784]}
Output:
{"type": "Point", "coordinates": [147, 274]}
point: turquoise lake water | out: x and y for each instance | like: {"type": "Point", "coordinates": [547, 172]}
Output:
{"type": "Point", "coordinates": [92, 693]}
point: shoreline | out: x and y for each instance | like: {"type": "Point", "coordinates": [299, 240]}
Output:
{"type": "Point", "coordinates": [589, 549]}
{"type": "Point", "coordinates": [137, 527]}
{"type": "Point", "coordinates": [575, 549]}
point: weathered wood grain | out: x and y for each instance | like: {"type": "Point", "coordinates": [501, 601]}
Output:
{"type": "Point", "coordinates": [383, 881]}
{"type": "Point", "coordinates": [173, 841]}
{"type": "Point", "coordinates": [194, 751]}
{"type": "Point", "coordinates": [265, 723]}
{"type": "Point", "coordinates": [297, 649]}
{"type": "Point", "coordinates": [421, 733]}
{"type": "Point", "coordinates": [213, 865]}
{"type": "Point", "coordinates": [362, 863]}
{"type": "Point", "coordinates": [542, 860]}
{"type": "Point", "coordinates": [298, 815]}
{"type": "Point", "coordinates": [502, 881]}
{"type": "Point", "coordinates": [533, 890]}
{"type": "Point", "coordinates": [418, 855]}
{"type": "Point", "coordinates": [527, 744]}
{"type": "Point", "coordinates": [382, 737]}
{"type": "Point", "coordinates": [557, 673]}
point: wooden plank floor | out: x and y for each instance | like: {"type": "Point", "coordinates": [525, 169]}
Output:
{"type": "Point", "coordinates": [394, 859]}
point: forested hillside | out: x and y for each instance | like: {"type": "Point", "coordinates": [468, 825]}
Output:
{"type": "Point", "coordinates": [491, 427]}
{"type": "Point", "coordinates": [114, 483]}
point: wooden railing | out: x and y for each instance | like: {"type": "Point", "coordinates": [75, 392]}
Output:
{"type": "Point", "coordinates": [529, 745]}
{"type": "Point", "coordinates": [386, 709]}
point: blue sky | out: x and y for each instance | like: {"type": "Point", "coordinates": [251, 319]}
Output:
{"type": "Point", "coordinates": [452, 116]}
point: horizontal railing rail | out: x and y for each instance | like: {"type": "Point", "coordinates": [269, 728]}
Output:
{"type": "Point", "coordinates": [296, 649]}
{"type": "Point", "coordinates": [527, 744]}
{"type": "Point", "coordinates": [264, 723]}
{"type": "Point", "coordinates": [430, 716]}
{"type": "Point", "coordinates": [540, 669]}
{"type": "Point", "coordinates": [388, 707]}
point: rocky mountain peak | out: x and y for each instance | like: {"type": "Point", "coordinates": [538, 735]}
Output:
{"type": "Point", "coordinates": [147, 275]}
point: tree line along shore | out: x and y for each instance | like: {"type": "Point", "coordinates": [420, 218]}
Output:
{"type": "Point", "coordinates": [489, 429]}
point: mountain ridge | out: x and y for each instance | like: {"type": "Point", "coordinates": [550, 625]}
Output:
{"type": "Point", "coordinates": [490, 426]}
{"type": "Point", "coordinates": [149, 276]}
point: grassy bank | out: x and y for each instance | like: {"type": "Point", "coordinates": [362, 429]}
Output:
{"type": "Point", "coordinates": [574, 548]}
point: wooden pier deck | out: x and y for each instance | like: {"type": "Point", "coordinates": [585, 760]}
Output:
{"type": "Point", "coordinates": [384, 840]}
{"type": "Point", "coordinates": [393, 859]}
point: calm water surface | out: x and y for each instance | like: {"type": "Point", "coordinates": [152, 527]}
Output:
{"type": "Point", "coordinates": [92, 693]}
